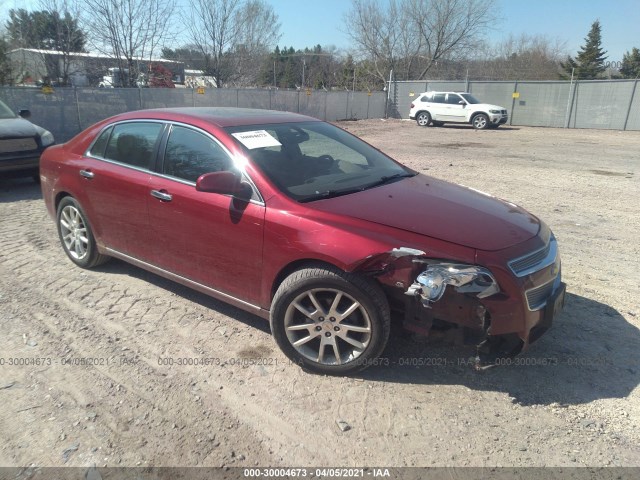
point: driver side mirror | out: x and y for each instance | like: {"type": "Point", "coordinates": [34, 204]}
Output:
{"type": "Point", "coordinates": [463, 103]}
{"type": "Point", "coordinates": [225, 183]}
{"type": "Point", "coordinates": [24, 113]}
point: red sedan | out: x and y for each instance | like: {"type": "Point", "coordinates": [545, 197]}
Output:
{"type": "Point", "coordinates": [304, 224]}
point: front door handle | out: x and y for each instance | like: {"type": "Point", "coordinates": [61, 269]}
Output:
{"type": "Point", "coordinates": [161, 195]}
{"type": "Point", "coordinates": [87, 174]}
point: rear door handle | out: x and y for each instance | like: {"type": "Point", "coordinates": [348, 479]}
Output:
{"type": "Point", "coordinates": [161, 195]}
{"type": "Point", "coordinates": [87, 173]}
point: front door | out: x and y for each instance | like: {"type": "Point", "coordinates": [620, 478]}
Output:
{"type": "Point", "coordinates": [209, 238]}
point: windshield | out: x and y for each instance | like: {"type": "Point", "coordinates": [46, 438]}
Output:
{"type": "Point", "coordinates": [469, 98]}
{"type": "Point", "coordinates": [6, 112]}
{"type": "Point", "coordinates": [315, 160]}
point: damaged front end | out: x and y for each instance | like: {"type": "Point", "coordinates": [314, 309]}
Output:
{"type": "Point", "coordinates": [438, 295]}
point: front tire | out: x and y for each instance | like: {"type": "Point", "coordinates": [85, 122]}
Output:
{"type": "Point", "coordinates": [480, 121]}
{"type": "Point", "coordinates": [329, 321]}
{"type": "Point", "coordinates": [423, 119]}
{"type": "Point", "coordinates": [76, 235]}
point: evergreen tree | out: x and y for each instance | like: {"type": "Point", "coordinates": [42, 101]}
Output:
{"type": "Point", "coordinates": [589, 63]}
{"type": "Point", "coordinates": [631, 64]}
{"type": "Point", "coordinates": [6, 77]}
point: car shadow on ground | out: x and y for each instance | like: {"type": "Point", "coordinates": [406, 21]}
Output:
{"type": "Point", "coordinates": [501, 128]}
{"type": "Point", "coordinates": [118, 267]}
{"type": "Point", "coordinates": [590, 352]}
{"type": "Point", "coordinates": [15, 187]}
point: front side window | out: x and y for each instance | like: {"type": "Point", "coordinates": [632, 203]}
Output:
{"type": "Point", "coordinates": [453, 99]}
{"type": "Point", "coordinates": [470, 98]}
{"type": "Point", "coordinates": [315, 160]}
{"type": "Point", "coordinates": [133, 143]}
{"type": "Point", "coordinates": [6, 112]}
{"type": "Point", "coordinates": [190, 154]}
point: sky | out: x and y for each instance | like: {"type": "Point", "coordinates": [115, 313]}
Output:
{"type": "Point", "coordinates": [305, 24]}
{"type": "Point", "coordinates": [567, 20]}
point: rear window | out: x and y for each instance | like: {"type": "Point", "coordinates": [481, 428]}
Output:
{"type": "Point", "coordinates": [133, 143]}
{"type": "Point", "coordinates": [97, 150]}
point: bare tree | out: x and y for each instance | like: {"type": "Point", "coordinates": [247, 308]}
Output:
{"type": "Point", "coordinates": [130, 30]}
{"type": "Point", "coordinates": [382, 35]}
{"type": "Point", "coordinates": [67, 37]}
{"type": "Point", "coordinates": [411, 36]}
{"type": "Point", "coordinates": [232, 34]}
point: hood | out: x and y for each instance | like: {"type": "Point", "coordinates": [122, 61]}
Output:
{"type": "Point", "coordinates": [486, 106]}
{"type": "Point", "coordinates": [17, 127]}
{"type": "Point", "coordinates": [441, 210]}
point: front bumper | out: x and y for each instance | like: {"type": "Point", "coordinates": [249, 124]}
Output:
{"type": "Point", "coordinates": [498, 118]}
{"type": "Point", "coordinates": [18, 164]}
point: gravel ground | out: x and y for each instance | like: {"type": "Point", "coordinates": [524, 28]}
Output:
{"type": "Point", "coordinates": [571, 400]}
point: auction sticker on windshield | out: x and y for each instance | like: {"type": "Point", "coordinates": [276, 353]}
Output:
{"type": "Point", "coordinates": [257, 139]}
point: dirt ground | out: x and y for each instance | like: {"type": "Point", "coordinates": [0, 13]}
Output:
{"type": "Point", "coordinates": [572, 399]}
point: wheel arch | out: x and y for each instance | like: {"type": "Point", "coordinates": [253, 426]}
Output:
{"type": "Point", "coordinates": [295, 266]}
{"type": "Point", "coordinates": [475, 114]}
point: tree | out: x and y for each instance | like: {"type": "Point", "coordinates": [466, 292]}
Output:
{"type": "Point", "coordinates": [6, 72]}
{"type": "Point", "coordinates": [412, 36]}
{"type": "Point", "coordinates": [55, 28]}
{"type": "Point", "coordinates": [631, 64]}
{"type": "Point", "coordinates": [130, 30]}
{"type": "Point", "coordinates": [589, 63]}
{"type": "Point", "coordinates": [232, 34]}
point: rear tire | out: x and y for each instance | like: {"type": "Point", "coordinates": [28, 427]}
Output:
{"type": "Point", "coordinates": [76, 235]}
{"type": "Point", "coordinates": [423, 119]}
{"type": "Point", "coordinates": [329, 321]}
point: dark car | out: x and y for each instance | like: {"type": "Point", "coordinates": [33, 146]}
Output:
{"type": "Point", "coordinates": [306, 225]}
{"type": "Point", "coordinates": [21, 142]}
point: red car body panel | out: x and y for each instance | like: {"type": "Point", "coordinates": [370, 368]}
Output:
{"type": "Point", "coordinates": [214, 243]}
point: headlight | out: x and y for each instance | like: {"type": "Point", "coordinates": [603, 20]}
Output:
{"type": "Point", "coordinates": [494, 111]}
{"type": "Point", "coordinates": [46, 138]}
{"type": "Point", "coordinates": [431, 283]}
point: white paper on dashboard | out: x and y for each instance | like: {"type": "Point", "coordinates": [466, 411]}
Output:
{"type": "Point", "coordinates": [257, 139]}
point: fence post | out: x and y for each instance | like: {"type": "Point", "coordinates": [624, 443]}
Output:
{"type": "Point", "coordinates": [513, 102]}
{"type": "Point", "coordinates": [326, 94]}
{"type": "Point", "coordinates": [633, 93]}
{"type": "Point", "coordinates": [140, 97]}
{"type": "Point", "coordinates": [368, 102]}
{"type": "Point", "coordinates": [75, 93]}
{"type": "Point", "coordinates": [573, 97]}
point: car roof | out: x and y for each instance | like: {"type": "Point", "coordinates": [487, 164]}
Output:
{"type": "Point", "coordinates": [219, 116]}
{"type": "Point", "coordinates": [448, 91]}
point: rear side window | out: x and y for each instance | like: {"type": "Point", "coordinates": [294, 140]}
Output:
{"type": "Point", "coordinates": [101, 143]}
{"type": "Point", "coordinates": [190, 154]}
{"type": "Point", "coordinates": [438, 98]}
{"type": "Point", "coordinates": [133, 143]}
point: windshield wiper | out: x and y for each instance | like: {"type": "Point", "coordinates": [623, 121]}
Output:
{"type": "Point", "coordinates": [329, 194]}
{"type": "Point", "coordinates": [387, 179]}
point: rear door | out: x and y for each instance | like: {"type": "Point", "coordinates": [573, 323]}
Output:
{"type": "Point", "coordinates": [117, 172]}
{"type": "Point", "coordinates": [209, 238]}
{"type": "Point", "coordinates": [438, 108]}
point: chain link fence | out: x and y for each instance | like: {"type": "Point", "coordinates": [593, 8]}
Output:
{"type": "Point", "coordinates": [67, 111]}
{"type": "Point", "coordinates": [602, 104]}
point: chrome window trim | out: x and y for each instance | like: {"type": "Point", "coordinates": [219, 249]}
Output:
{"type": "Point", "coordinates": [548, 260]}
{"type": "Point", "coordinates": [87, 152]}
{"type": "Point", "coordinates": [233, 158]}
{"type": "Point", "coordinates": [260, 201]}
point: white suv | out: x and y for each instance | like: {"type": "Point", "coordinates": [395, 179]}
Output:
{"type": "Point", "coordinates": [439, 108]}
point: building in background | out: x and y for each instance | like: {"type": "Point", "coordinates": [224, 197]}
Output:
{"type": "Point", "coordinates": [35, 67]}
